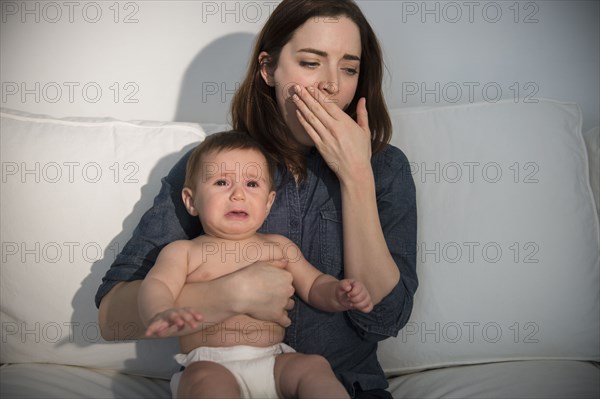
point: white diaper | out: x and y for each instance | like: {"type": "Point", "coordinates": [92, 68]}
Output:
{"type": "Point", "coordinates": [251, 366]}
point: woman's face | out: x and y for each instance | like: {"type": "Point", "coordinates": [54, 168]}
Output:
{"type": "Point", "coordinates": [324, 53]}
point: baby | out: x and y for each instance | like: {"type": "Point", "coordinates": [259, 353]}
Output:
{"type": "Point", "coordinates": [229, 186]}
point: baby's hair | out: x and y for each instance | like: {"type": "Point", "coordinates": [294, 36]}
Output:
{"type": "Point", "coordinates": [217, 142]}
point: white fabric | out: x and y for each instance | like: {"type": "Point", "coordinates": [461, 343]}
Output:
{"type": "Point", "coordinates": [49, 381]}
{"type": "Point", "coordinates": [72, 192]}
{"type": "Point", "coordinates": [508, 245]}
{"type": "Point", "coordinates": [592, 143]}
{"type": "Point", "coordinates": [252, 367]}
{"type": "Point", "coordinates": [528, 379]}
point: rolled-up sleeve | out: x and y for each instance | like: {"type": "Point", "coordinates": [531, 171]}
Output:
{"type": "Point", "coordinates": [166, 221]}
{"type": "Point", "coordinates": [396, 203]}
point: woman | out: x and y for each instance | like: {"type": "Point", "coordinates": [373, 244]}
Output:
{"type": "Point", "coordinates": [312, 96]}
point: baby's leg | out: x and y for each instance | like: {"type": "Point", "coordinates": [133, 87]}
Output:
{"type": "Point", "coordinates": [207, 380]}
{"type": "Point", "coordinates": [306, 376]}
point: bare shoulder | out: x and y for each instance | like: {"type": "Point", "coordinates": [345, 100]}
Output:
{"type": "Point", "coordinates": [176, 246]}
{"type": "Point", "coordinates": [187, 252]}
{"type": "Point", "coordinates": [281, 246]}
{"type": "Point", "coordinates": [277, 239]}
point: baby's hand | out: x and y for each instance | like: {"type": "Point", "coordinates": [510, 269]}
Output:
{"type": "Point", "coordinates": [354, 295]}
{"type": "Point", "coordinates": [167, 323]}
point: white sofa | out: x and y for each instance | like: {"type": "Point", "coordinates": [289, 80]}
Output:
{"type": "Point", "coordinates": [508, 252]}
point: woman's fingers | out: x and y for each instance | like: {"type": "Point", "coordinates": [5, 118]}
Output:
{"type": "Point", "coordinates": [310, 113]}
{"type": "Point", "coordinates": [362, 116]}
{"type": "Point", "coordinates": [315, 137]}
{"type": "Point", "coordinates": [332, 112]}
{"type": "Point", "coordinates": [320, 104]}
{"type": "Point", "coordinates": [322, 114]}
{"type": "Point", "coordinates": [344, 143]}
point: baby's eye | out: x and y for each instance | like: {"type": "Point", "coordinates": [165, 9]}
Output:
{"type": "Point", "coordinates": [252, 183]}
{"type": "Point", "coordinates": [221, 182]}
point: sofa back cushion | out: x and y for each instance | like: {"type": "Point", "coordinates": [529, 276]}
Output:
{"type": "Point", "coordinates": [72, 192]}
{"type": "Point", "coordinates": [508, 244]}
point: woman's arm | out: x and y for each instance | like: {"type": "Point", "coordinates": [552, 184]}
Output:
{"type": "Point", "coordinates": [166, 221]}
{"type": "Point", "coordinates": [378, 207]}
{"type": "Point", "coordinates": [397, 209]}
{"type": "Point", "coordinates": [262, 290]}
{"type": "Point", "coordinates": [366, 254]}
{"type": "Point", "coordinates": [321, 290]}
{"type": "Point", "coordinates": [346, 146]}
{"type": "Point", "coordinates": [118, 313]}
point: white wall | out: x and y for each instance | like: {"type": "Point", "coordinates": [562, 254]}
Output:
{"type": "Point", "coordinates": [180, 60]}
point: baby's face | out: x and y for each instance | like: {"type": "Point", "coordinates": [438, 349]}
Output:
{"type": "Point", "coordinates": [233, 193]}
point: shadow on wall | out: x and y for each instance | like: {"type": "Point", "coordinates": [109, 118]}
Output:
{"type": "Point", "coordinates": [212, 78]}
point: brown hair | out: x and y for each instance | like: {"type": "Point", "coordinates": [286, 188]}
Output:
{"type": "Point", "coordinates": [230, 140]}
{"type": "Point", "coordinates": [254, 106]}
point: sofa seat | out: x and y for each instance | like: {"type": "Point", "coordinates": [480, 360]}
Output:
{"type": "Point", "coordinates": [524, 379]}
{"type": "Point", "coordinates": [521, 379]}
{"type": "Point", "coordinates": [38, 380]}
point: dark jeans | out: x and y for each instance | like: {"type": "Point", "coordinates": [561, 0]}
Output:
{"type": "Point", "coordinates": [373, 394]}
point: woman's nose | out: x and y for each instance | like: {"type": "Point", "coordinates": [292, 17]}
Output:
{"type": "Point", "coordinates": [329, 86]}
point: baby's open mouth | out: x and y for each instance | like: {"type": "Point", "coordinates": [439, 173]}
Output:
{"type": "Point", "coordinates": [237, 214]}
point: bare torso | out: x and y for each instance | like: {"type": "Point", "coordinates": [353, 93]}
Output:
{"type": "Point", "coordinates": [211, 258]}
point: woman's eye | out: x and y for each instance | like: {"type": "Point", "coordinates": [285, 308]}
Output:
{"type": "Point", "coordinates": [351, 71]}
{"type": "Point", "coordinates": [309, 64]}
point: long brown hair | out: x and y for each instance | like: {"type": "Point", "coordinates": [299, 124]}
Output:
{"type": "Point", "coordinates": [254, 106]}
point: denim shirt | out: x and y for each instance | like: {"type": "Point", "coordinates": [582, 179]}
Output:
{"type": "Point", "coordinates": [310, 214]}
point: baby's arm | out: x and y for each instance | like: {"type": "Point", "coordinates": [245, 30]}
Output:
{"type": "Point", "coordinates": [160, 289]}
{"type": "Point", "coordinates": [323, 291]}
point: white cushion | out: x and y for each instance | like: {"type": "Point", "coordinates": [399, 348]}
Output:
{"type": "Point", "coordinates": [508, 243]}
{"type": "Point", "coordinates": [49, 381]}
{"type": "Point", "coordinates": [546, 379]}
{"type": "Point", "coordinates": [592, 142]}
{"type": "Point", "coordinates": [72, 192]}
